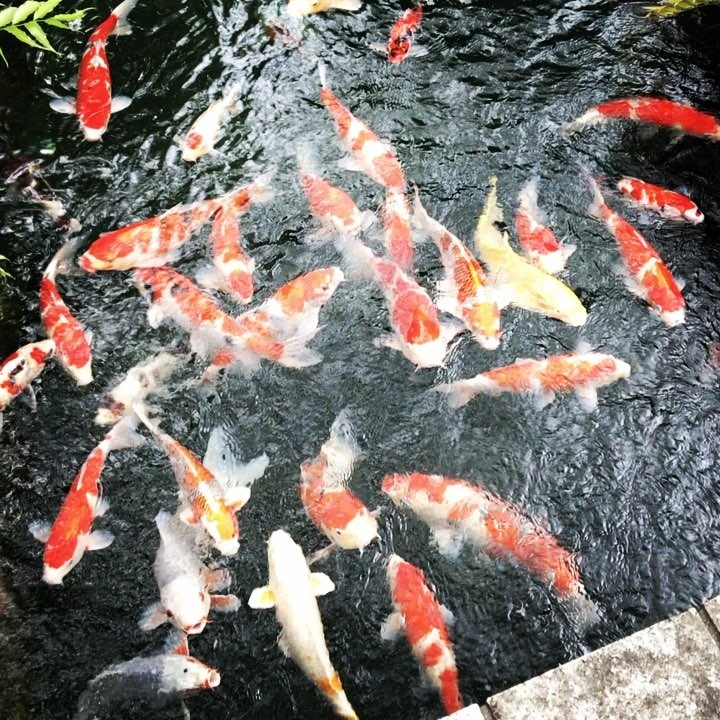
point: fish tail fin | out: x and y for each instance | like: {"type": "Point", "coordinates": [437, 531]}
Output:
{"type": "Point", "coordinates": [123, 434]}
{"type": "Point", "coordinates": [528, 195]}
{"type": "Point", "coordinates": [341, 450]}
{"type": "Point", "coordinates": [591, 117]}
{"type": "Point", "coordinates": [421, 219]}
{"type": "Point", "coordinates": [322, 72]}
{"type": "Point", "coordinates": [260, 190]}
{"type": "Point", "coordinates": [141, 412]}
{"type": "Point", "coordinates": [583, 610]}
{"type": "Point", "coordinates": [358, 257]}
{"type": "Point", "coordinates": [296, 354]}
{"type": "Point", "coordinates": [222, 460]}
{"type": "Point", "coordinates": [349, 5]}
{"type": "Point", "coordinates": [305, 158]}
{"type": "Point", "coordinates": [461, 392]}
{"type": "Point", "coordinates": [60, 262]}
{"type": "Point", "coordinates": [598, 203]}
{"type": "Point", "coordinates": [121, 12]}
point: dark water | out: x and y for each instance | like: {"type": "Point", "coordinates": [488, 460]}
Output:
{"type": "Point", "coordinates": [632, 487]}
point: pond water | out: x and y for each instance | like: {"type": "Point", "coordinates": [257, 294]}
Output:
{"type": "Point", "coordinates": [632, 487]}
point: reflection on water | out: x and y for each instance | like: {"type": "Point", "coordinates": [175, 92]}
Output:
{"type": "Point", "coordinates": [631, 487]}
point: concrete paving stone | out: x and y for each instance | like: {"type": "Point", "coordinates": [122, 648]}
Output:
{"type": "Point", "coordinates": [713, 610]}
{"type": "Point", "coordinates": [471, 712]}
{"type": "Point", "coordinates": [670, 670]}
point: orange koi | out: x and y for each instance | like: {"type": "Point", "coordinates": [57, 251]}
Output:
{"type": "Point", "coordinates": [20, 368]}
{"type": "Point", "coordinates": [464, 292]}
{"type": "Point", "coordinates": [424, 621]}
{"type": "Point", "coordinates": [72, 343]}
{"type": "Point", "coordinates": [398, 235]}
{"type": "Point", "coordinates": [71, 534]}
{"type": "Point", "coordinates": [369, 153]}
{"type": "Point", "coordinates": [400, 44]}
{"type": "Point", "coordinates": [669, 204]}
{"type": "Point", "coordinates": [94, 102]}
{"type": "Point", "coordinates": [581, 373]}
{"type": "Point", "coordinates": [650, 279]}
{"type": "Point", "coordinates": [656, 111]}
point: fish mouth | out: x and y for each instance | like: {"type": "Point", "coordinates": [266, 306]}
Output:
{"type": "Point", "coordinates": [92, 134]}
{"type": "Point", "coordinates": [213, 679]}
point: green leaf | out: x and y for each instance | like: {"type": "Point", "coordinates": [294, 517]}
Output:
{"type": "Point", "coordinates": [2, 55]}
{"type": "Point", "coordinates": [22, 36]}
{"type": "Point", "coordinates": [25, 11]}
{"type": "Point", "coordinates": [6, 16]}
{"type": "Point", "coordinates": [69, 17]}
{"type": "Point", "coordinates": [57, 23]}
{"type": "Point", "coordinates": [45, 8]}
{"type": "Point", "coordinates": [39, 34]}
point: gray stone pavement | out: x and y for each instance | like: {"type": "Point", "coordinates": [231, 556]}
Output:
{"type": "Point", "coordinates": [669, 671]}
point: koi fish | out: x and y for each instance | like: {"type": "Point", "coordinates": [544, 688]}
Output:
{"type": "Point", "coordinates": [71, 534]}
{"type": "Point", "coordinates": [157, 679]}
{"type": "Point", "coordinates": [397, 232]}
{"type": "Point", "coordinates": [419, 335]}
{"type": "Point", "coordinates": [457, 510]}
{"type": "Point", "coordinates": [279, 329]}
{"type": "Point", "coordinates": [537, 240]}
{"type": "Point", "coordinates": [233, 269]}
{"type": "Point", "coordinates": [185, 582]}
{"type": "Point", "coordinates": [656, 111]}
{"type": "Point", "coordinates": [151, 242]}
{"type": "Point", "coordinates": [203, 133]}
{"type": "Point", "coordinates": [464, 292]}
{"type": "Point", "coordinates": [328, 502]}
{"type": "Point", "coordinates": [649, 278]}
{"type": "Point", "coordinates": [369, 154]}
{"type": "Point", "coordinates": [20, 368]}
{"type": "Point", "coordinates": [142, 380]}
{"type": "Point", "coordinates": [524, 284]}
{"type": "Point", "coordinates": [402, 32]}
{"type": "Point", "coordinates": [292, 590]}
{"type": "Point", "coordinates": [582, 373]}
{"type": "Point", "coordinates": [204, 501]}
{"type": "Point", "coordinates": [94, 101]}
{"type": "Point", "coordinates": [174, 296]}
{"type": "Point", "coordinates": [301, 8]}
{"type": "Point", "coordinates": [669, 204]}
{"type": "Point", "coordinates": [424, 621]}
{"type": "Point", "coordinates": [332, 206]}
{"type": "Point", "coordinates": [72, 343]}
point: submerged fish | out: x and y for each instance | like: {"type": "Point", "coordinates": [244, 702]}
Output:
{"type": "Point", "coordinates": [184, 581]}
{"type": "Point", "coordinates": [202, 135]}
{"type": "Point", "coordinates": [400, 43]}
{"type": "Point", "coordinates": [524, 284]}
{"type": "Point", "coordinates": [292, 590]}
{"type": "Point", "coordinates": [301, 8]}
{"type": "Point", "coordinates": [581, 373]}
{"type": "Point", "coordinates": [669, 204]}
{"type": "Point", "coordinates": [649, 277]}
{"type": "Point", "coordinates": [424, 622]}
{"type": "Point", "coordinates": [325, 496]}
{"type": "Point", "coordinates": [397, 233]}
{"type": "Point", "coordinates": [94, 102]}
{"type": "Point", "coordinates": [157, 680]}
{"type": "Point", "coordinates": [656, 111]}
{"type": "Point", "coordinates": [71, 533]}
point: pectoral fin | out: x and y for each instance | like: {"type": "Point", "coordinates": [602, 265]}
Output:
{"type": "Point", "coordinates": [225, 603]}
{"type": "Point", "coordinates": [237, 497]}
{"type": "Point", "coordinates": [63, 105]}
{"type": "Point", "coordinates": [349, 163]}
{"type": "Point", "coordinates": [392, 626]}
{"type": "Point", "coordinates": [448, 616]}
{"type": "Point", "coordinates": [262, 598]}
{"type": "Point", "coordinates": [321, 584]}
{"type": "Point", "coordinates": [119, 102]}
{"type": "Point", "coordinates": [449, 541]}
{"type": "Point", "coordinates": [40, 530]}
{"type": "Point", "coordinates": [153, 616]}
{"type": "Point", "coordinates": [587, 396]}
{"type": "Point", "coordinates": [283, 644]}
{"type": "Point", "coordinates": [99, 539]}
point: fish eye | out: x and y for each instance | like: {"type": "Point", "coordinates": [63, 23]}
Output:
{"type": "Point", "coordinates": [169, 613]}
{"type": "Point", "coordinates": [185, 670]}
{"type": "Point", "coordinates": [338, 531]}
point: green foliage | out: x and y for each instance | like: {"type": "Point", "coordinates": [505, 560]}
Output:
{"type": "Point", "coordinates": [25, 22]}
{"type": "Point", "coordinates": [3, 272]}
{"type": "Point", "coordinates": [668, 8]}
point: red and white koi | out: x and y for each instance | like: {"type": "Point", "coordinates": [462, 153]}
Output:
{"type": "Point", "coordinates": [292, 591]}
{"type": "Point", "coordinates": [464, 292]}
{"type": "Point", "coordinates": [140, 381]}
{"type": "Point", "coordinates": [669, 204]}
{"type": "Point", "coordinates": [457, 510]}
{"type": "Point", "coordinates": [20, 368]}
{"type": "Point", "coordinates": [202, 135]}
{"type": "Point", "coordinates": [369, 154]}
{"type": "Point", "coordinates": [279, 329]}
{"type": "Point", "coordinates": [71, 533]}
{"type": "Point", "coordinates": [656, 111]}
{"type": "Point", "coordinates": [398, 238]}
{"type": "Point", "coordinates": [94, 101]}
{"type": "Point", "coordinates": [72, 343]}
{"type": "Point", "coordinates": [582, 373]}
{"type": "Point", "coordinates": [419, 335]}
{"type": "Point", "coordinates": [537, 240]}
{"type": "Point", "coordinates": [332, 206]}
{"type": "Point", "coordinates": [185, 582]}
{"type": "Point", "coordinates": [329, 503]}
{"type": "Point", "coordinates": [233, 269]}
{"type": "Point", "coordinates": [424, 621]}
{"type": "Point", "coordinates": [649, 277]}
{"type": "Point", "coordinates": [205, 502]}
{"type": "Point", "coordinates": [400, 44]}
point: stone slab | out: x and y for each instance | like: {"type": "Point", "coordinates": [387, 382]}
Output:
{"type": "Point", "coordinates": [471, 712]}
{"type": "Point", "coordinates": [712, 607]}
{"type": "Point", "coordinates": [670, 671]}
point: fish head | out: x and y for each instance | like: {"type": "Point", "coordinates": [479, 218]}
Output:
{"type": "Point", "coordinates": [398, 49]}
{"type": "Point", "coordinates": [673, 317]}
{"type": "Point", "coordinates": [694, 215]}
{"type": "Point", "coordinates": [396, 487]}
{"type": "Point", "coordinates": [281, 546]}
{"type": "Point", "coordinates": [194, 147]}
{"type": "Point", "coordinates": [301, 8]}
{"type": "Point", "coordinates": [358, 533]}
{"type": "Point", "coordinates": [55, 575]}
{"type": "Point", "coordinates": [92, 134]}
{"type": "Point", "coordinates": [187, 604]}
{"type": "Point", "coordinates": [183, 674]}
